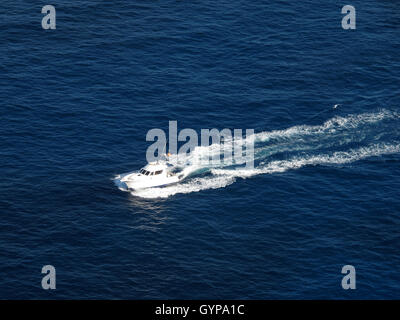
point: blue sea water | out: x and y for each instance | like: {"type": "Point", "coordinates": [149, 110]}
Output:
{"type": "Point", "coordinates": [77, 102]}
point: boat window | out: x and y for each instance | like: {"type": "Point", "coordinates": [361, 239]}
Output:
{"type": "Point", "coordinates": [141, 171]}
{"type": "Point", "coordinates": [147, 173]}
{"type": "Point", "coordinates": [151, 173]}
{"type": "Point", "coordinates": [158, 172]}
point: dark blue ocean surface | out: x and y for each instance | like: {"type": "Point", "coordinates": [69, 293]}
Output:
{"type": "Point", "coordinates": [77, 102]}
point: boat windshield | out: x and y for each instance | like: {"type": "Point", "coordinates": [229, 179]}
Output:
{"type": "Point", "coordinates": [147, 173]}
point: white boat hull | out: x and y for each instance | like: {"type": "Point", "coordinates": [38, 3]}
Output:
{"type": "Point", "coordinates": [137, 181]}
{"type": "Point", "coordinates": [153, 175]}
{"type": "Point", "coordinates": [137, 184]}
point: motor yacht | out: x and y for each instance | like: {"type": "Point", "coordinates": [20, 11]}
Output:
{"type": "Point", "coordinates": [154, 174]}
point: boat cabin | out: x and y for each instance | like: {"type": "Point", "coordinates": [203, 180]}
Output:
{"type": "Point", "coordinates": [153, 169]}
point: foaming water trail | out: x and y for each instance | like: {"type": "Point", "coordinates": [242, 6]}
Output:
{"type": "Point", "coordinates": [339, 157]}
{"type": "Point", "coordinates": [335, 125]}
{"type": "Point", "coordinates": [338, 141]}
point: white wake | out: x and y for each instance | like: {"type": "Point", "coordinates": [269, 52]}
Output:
{"type": "Point", "coordinates": [338, 141]}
